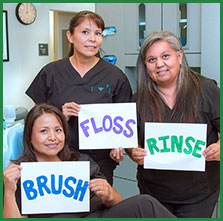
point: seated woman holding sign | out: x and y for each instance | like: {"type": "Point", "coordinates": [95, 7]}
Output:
{"type": "Point", "coordinates": [46, 139]}
{"type": "Point", "coordinates": [169, 91]}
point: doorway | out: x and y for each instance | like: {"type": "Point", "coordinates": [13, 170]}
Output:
{"type": "Point", "coordinates": [59, 24]}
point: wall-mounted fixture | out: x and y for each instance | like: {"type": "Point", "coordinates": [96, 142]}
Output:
{"type": "Point", "coordinates": [110, 58]}
{"type": "Point", "coordinates": [43, 49]}
{"type": "Point", "coordinates": [109, 31]}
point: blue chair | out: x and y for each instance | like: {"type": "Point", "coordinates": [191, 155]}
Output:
{"type": "Point", "coordinates": [12, 143]}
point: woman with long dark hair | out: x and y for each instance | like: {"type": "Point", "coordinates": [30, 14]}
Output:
{"type": "Point", "coordinates": [46, 139]}
{"type": "Point", "coordinates": [169, 91]}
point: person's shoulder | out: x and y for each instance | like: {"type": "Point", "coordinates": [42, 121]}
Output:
{"type": "Point", "coordinates": [208, 83]}
{"type": "Point", "coordinates": [84, 157]}
{"type": "Point", "coordinates": [111, 67]}
{"type": "Point", "coordinates": [57, 63]}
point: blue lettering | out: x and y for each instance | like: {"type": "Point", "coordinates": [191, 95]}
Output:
{"type": "Point", "coordinates": [53, 184]}
{"type": "Point", "coordinates": [66, 184]}
{"type": "Point", "coordinates": [81, 189]}
{"type": "Point", "coordinates": [41, 184]}
{"type": "Point", "coordinates": [28, 188]}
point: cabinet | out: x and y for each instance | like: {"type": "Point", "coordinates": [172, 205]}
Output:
{"type": "Point", "coordinates": [162, 16]}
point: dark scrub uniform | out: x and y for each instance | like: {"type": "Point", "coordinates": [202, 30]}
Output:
{"type": "Point", "coordinates": [135, 207]}
{"type": "Point", "coordinates": [59, 83]}
{"type": "Point", "coordinates": [185, 187]}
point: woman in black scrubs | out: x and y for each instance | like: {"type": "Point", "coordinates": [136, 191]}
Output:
{"type": "Point", "coordinates": [82, 78]}
{"type": "Point", "coordinates": [46, 139]}
{"type": "Point", "coordinates": [169, 91]}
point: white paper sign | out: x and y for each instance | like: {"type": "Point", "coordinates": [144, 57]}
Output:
{"type": "Point", "coordinates": [175, 146]}
{"type": "Point", "coordinates": [55, 187]}
{"type": "Point", "coordinates": [106, 126]}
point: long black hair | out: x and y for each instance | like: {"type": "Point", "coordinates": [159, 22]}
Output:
{"type": "Point", "coordinates": [28, 153]}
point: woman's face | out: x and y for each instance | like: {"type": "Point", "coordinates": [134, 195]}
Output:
{"type": "Point", "coordinates": [86, 38]}
{"type": "Point", "coordinates": [163, 64]}
{"type": "Point", "coordinates": [47, 138]}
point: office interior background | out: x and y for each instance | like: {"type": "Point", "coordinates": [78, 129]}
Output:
{"type": "Point", "coordinates": [30, 47]}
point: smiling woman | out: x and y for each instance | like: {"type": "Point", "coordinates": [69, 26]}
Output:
{"type": "Point", "coordinates": [46, 138]}
{"type": "Point", "coordinates": [82, 78]}
{"type": "Point", "coordinates": [170, 92]}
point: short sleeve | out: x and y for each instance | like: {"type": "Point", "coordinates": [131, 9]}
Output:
{"type": "Point", "coordinates": [38, 89]}
{"type": "Point", "coordinates": [212, 102]}
{"type": "Point", "coordinates": [123, 91]}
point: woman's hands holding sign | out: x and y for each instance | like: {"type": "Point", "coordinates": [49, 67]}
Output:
{"type": "Point", "coordinates": [137, 154]}
{"type": "Point", "coordinates": [70, 109]}
{"type": "Point", "coordinates": [212, 152]}
{"type": "Point", "coordinates": [105, 192]}
{"type": "Point", "coordinates": [10, 176]}
{"type": "Point", "coordinates": [117, 154]}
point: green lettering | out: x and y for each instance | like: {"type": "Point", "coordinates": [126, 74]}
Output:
{"type": "Point", "coordinates": [187, 142]}
{"type": "Point", "coordinates": [165, 149]}
{"type": "Point", "coordinates": [152, 145]}
{"type": "Point", "coordinates": [175, 143]}
{"type": "Point", "coordinates": [198, 148]}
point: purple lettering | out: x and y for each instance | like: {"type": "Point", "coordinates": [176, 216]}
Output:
{"type": "Point", "coordinates": [85, 128]}
{"type": "Point", "coordinates": [129, 128]}
{"type": "Point", "coordinates": [118, 125]}
{"type": "Point", "coordinates": [96, 130]}
{"type": "Point", "coordinates": [110, 122]}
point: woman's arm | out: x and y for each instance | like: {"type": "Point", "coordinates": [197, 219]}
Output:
{"type": "Point", "coordinates": [105, 192]}
{"type": "Point", "coordinates": [10, 176]}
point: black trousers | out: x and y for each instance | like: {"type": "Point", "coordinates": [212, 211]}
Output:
{"type": "Point", "coordinates": [201, 209]}
{"type": "Point", "coordinates": [140, 206]}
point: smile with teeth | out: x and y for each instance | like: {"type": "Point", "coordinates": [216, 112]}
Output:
{"type": "Point", "coordinates": [162, 72]}
{"type": "Point", "coordinates": [53, 145]}
{"type": "Point", "coordinates": [91, 47]}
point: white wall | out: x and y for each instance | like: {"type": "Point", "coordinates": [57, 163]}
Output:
{"type": "Point", "coordinates": [24, 61]}
{"type": "Point", "coordinates": [210, 41]}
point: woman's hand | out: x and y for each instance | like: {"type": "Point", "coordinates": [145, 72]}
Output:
{"type": "Point", "coordinates": [137, 154]}
{"type": "Point", "coordinates": [212, 152]}
{"type": "Point", "coordinates": [70, 109]}
{"type": "Point", "coordinates": [117, 154]}
{"type": "Point", "coordinates": [102, 189]}
{"type": "Point", "coordinates": [10, 177]}
{"type": "Point", "coordinates": [105, 192]}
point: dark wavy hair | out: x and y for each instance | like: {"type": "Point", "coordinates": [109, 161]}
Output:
{"type": "Point", "coordinates": [79, 18]}
{"type": "Point", "coordinates": [28, 153]}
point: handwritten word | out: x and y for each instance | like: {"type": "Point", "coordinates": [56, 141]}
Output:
{"type": "Point", "coordinates": [109, 124]}
{"type": "Point", "coordinates": [193, 146]}
{"type": "Point", "coordinates": [45, 187]}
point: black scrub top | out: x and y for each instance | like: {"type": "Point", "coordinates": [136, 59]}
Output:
{"type": "Point", "coordinates": [171, 186]}
{"type": "Point", "coordinates": [58, 83]}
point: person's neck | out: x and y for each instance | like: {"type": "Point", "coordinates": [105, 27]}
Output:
{"type": "Point", "coordinates": [168, 95]}
{"type": "Point", "coordinates": [83, 64]}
